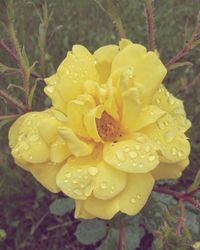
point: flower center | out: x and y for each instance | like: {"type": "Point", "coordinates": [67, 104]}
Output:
{"type": "Point", "coordinates": [108, 128]}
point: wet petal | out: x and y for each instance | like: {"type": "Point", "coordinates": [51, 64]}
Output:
{"type": "Point", "coordinates": [109, 182]}
{"type": "Point", "coordinates": [76, 178]}
{"type": "Point", "coordinates": [148, 115]}
{"type": "Point", "coordinates": [136, 193]}
{"type": "Point", "coordinates": [172, 143]}
{"type": "Point", "coordinates": [59, 151]}
{"type": "Point", "coordinates": [132, 156]}
{"type": "Point", "coordinates": [80, 211]}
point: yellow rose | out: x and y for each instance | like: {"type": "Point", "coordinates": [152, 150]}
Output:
{"type": "Point", "coordinates": [113, 129]}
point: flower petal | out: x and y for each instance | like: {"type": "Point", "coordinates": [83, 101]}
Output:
{"type": "Point", "coordinates": [80, 211]}
{"type": "Point", "coordinates": [172, 143]}
{"type": "Point", "coordinates": [109, 182]}
{"type": "Point", "coordinates": [147, 115]}
{"type": "Point", "coordinates": [59, 151]}
{"type": "Point", "coordinates": [169, 170]}
{"type": "Point", "coordinates": [104, 57]}
{"type": "Point", "coordinates": [76, 178]}
{"type": "Point", "coordinates": [77, 146]}
{"type": "Point", "coordinates": [76, 111]}
{"type": "Point", "coordinates": [132, 156]}
{"type": "Point", "coordinates": [136, 193]}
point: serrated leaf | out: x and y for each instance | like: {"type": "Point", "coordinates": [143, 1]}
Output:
{"type": "Point", "coordinates": [179, 65]}
{"type": "Point", "coordinates": [61, 206]}
{"type": "Point", "coordinates": [90, 231]}
{"type": "Point", "coordinates": [195, 183]}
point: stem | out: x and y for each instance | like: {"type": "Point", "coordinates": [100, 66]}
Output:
{"type": "Point", "coordinates": [181, 220]}
{"type": "Point", "coordinates": [119, 27]}
{"type": "Point", "coordinates": [150, 24]}
{"type": "Point", "coordinates": [121, 240]}
{"type": "Point", "coordinates": [18, 54]}
{"type": "Point", "coordinates": [14, 101]}
{"type": "Point", "coordinates": [5, 117]}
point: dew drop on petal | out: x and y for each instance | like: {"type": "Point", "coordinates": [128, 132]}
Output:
{"type": "Point", "coordinates": [169, 136]}
{"type": "Point", "coordinates": [139, 196]}
{"type": "Point", "coordinates": [132, 155]}
{"type": "Point", "coordinates": [104, 185]}
{"type": "Point", "coordinates": [120, 155]}
{"type": "Point", "coordinates": [152, 158]}
{"type": "Point", "coordinates": [174, 151]}
{"type": "Point", "coordinates": [34, 137]}
{"type": "Point", "coordinates": [93, 171]}
{"type": "Point", "coordinates": [67, 175]}
{"type": "Point", "coordinates": [133, 200]}
{"type": "Point", "coordinates": [147, 148]}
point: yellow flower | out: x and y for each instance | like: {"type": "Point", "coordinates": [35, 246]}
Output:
{"type": "Point", "coordinates": [113, 129]}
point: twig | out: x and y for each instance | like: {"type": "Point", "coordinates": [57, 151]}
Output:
{"type": "Point", "coordinates": [181, 220]}
{"type": "Point", "coordinates": [188, 46]}
{"type": "Point", "coordinates": [150, 24]}
{"type": "Point", "coordinates": [5, 117]}
{"type": "Point", "coordinates": [14, 101]}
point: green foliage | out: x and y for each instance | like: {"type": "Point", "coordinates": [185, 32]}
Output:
{"type": "Point", "coordinates": [61, 206]}
{"type": "Point", "coordinates": [90, 231]}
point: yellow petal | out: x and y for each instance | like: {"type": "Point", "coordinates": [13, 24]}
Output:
{"type": "Point", "coordinates": [76, 178]}
{"type": "Point", "coordinates": [108, 182]}
{"type": "Point", "coordinates": [104, 57]}
{"type": "Point", "coordinates": [147, 115]}
{"type": "Point", "coordinates": [123, 43]}
{"type": "Point", "coordinates": [76, 111]}
{"type": "Point", "coordinates": [59, 151]}
{"type": "Point", "coordinates": [169, 170]}
{"type": "Point", "coordinates": [90, 122]}
{"type": "Point", "coordinates": [76, 146]}
{"type": "Point", "coordinates": [77, 67]}
{"type": "Point", "coordinates": [132, 156]}
{"type": "Point", "coordinates": [104, 209]}
{"type": "Point", "coordinates": [131, 107]}
{"type": "Point", "coordinates": [167, 102]}
{"type": "Point", "coordinates": [80, 211]}
{"type": "Point", "coordinates": [46, 174]}
{"type": "Point", "coordinates": [136, 193]}
{"type": "Point", "coordinates": [172, 143]}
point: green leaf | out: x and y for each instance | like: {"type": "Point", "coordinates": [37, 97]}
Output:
{"type": "Point", "coordinates": [195, 183]}
{"type": "Point", "coordinates": [25, 59]}
{"type": "Point", "coordinates": [61, 206]}
{"type": "Point", "coordinates": [32, 91]}
{"type": "Point", "coordinates": [111, 240]}
{"type": "Point", "coordinates": [179, 64]}
{"type": "Point", "coordinates": [90, 231]}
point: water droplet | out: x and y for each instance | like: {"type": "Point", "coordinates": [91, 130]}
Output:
{"type": "Point", "coordinates": [171, 100]}
{"type": "Point", "coordinates": [180, 153]}
{"type": "Point", "coordinates": [67, 175]}
{"type": "Point", "coordinates": [78, 192]}
{"type": "Point", "coordinates": [65, 180]}
{"type": "Point", "coordinates": [140, 165]}
{"type": "Point", "coordinates": [139, 196]}
{"type": "Point", "coordinates": [75, 181]}
{"type": "Point", "coordinates": [126, 150]}
{"type": "Point", "coordinates": [169, 136]}
{"type": "Point", "coordinates": [28, 122]}
{"type": "Point", "coordinates": [157, 100]}
{"type": "Point", "coordinates": [147, 148]}
{"type": "Point", "coordinates": [93, 171]}
{"type": "Point", "coordinates": [34, 138]}
{"type": "Point", "coordinates": [174, 151]}
{"type": "Point", "coordinates": [152, 157]}
{"type": "Point", "coordinates": [133, 154]}
{"type": "Point", "coordinates": [137, 147]}
{"type": "Point", "coordinates": [133, 200]}
{"type": "Point", "coordinates": [104, 185]}
{"type": "Point", "coordinates": [120, 155]}
{"type": "Point", "coordinates": [161, 124]}
{"type": "Point", "coordinates": [142, 156]}
{"type": "Point", "coordinates": [25, 146]}
{"type": "Point", "coordinates": [50, 89]}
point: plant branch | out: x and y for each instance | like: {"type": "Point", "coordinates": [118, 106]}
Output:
{"type": "Point", "coordinates": [121, 240]}
{"type": "Point", "coordinates": [5, 117]}
{"type": "Point", "coordinates": [150, 24]}
{"type": "Point", "coordinates": [13, 101]}
{"type": "Point", "coordinates": [181, 220]}
{"type": "Point", "coordinates": [188, 46]}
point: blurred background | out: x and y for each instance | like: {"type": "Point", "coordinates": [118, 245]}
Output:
{"type": "Point", "coordinates": [26, 221]}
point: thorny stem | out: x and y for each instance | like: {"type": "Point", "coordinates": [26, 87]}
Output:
{"type": "Point", "coordinates": [150, 24]}
{"type": "Point", "coordinates": [188, 46]}
{"type": "Point", "coordinates": [18, 54]}
{"type": "Point", "coordinates": [13, 101]}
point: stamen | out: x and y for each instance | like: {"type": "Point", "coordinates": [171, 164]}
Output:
{"type": "Point", "coordinates": [108, 128]}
